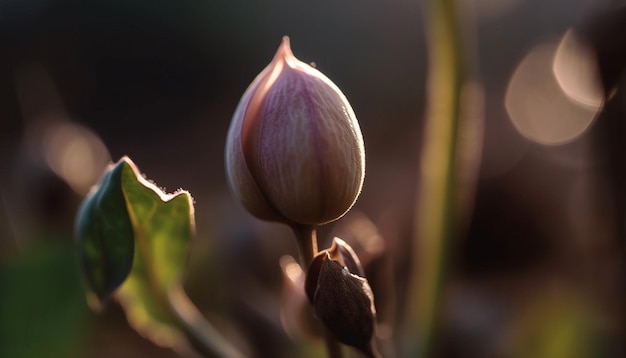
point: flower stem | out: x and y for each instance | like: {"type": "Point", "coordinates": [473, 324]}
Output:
{"type": "Point", "coordinates": [306, 237]}
{"type": "Point", "coordinates": [438, 194]}
{"type": "Point", "coordinates": [204, 338]}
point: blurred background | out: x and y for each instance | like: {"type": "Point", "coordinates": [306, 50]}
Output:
{"type": "Point", "coordinates": [538, 271]}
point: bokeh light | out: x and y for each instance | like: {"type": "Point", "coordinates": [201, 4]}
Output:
{"type": "Point", "coordinates": [71, 151]}
{"type": "Point", "coordinates": [536, 104]}
{"type": "Point", "coordinates": [576, 71]}
{"type": "Point", "coordinates": [76, 154]}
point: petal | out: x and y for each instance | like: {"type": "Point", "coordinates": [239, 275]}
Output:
{"type": "Point", "coordinates": [240, 180]}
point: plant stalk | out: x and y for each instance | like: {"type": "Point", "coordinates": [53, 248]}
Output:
{"type": "Point", "coordinates": [438, 194]}
{"type": "Point", "coordinates": [306, 237]}
{"type": "Point", "coordinates": [202, 335]}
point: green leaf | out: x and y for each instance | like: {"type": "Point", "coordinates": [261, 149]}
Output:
{"type": "Point", "coordinates": [163, 226]}
{"type": "Point", "coordinates": [105, 240]}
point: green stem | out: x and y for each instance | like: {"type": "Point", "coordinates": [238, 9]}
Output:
{"type": "Point", "coordinates": [204, 338]}
{"type": "Point", "coordinates": [306, 237]}
{"type": "Point", "coordinates": [437, 196]}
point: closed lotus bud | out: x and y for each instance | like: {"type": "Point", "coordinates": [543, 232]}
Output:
{"type": "Point", "coordinates": [342, 298]}
{"type": "Point", "coordinates": [294, 151]}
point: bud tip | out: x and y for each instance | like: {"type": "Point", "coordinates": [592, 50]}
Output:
{"type": "Point", "coordinates": [284, 53]}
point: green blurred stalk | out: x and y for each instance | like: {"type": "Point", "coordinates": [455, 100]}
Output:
{"type": "Point", "coordinates": [438, 196]}
{"type": "Point", "coordinates": [202, 335]}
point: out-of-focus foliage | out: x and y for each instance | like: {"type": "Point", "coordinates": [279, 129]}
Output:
{"type": "Point", "coordinates": [557, 324]}
{"type": "Point", "coordinates": [42, 305]}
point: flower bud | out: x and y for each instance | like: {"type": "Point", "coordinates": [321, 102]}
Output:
{"type": "Point", "coordinates": [341, 299]}
{"type": "Point", "coordinates": [294, 151]}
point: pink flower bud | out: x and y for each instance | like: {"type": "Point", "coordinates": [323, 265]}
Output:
{"type": "Point", "coordinates": [294, 151]}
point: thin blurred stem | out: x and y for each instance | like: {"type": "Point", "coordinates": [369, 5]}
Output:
{"type": "Point", "coordinates": [437, 194]}
{"type": "Point", "coordinates": [306, 237]}
{"type": "Point", "coordinates": [204, 338]}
